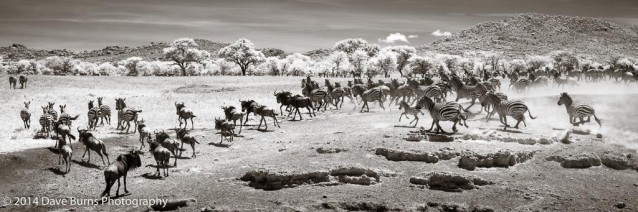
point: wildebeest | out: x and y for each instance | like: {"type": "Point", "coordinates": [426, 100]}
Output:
{"type": "Point", "coordinates": [161, 155]}
{"type": "Point", "coordinates": [92, 143]}
{"type": "Point", "coordinates": [264, 112]}
{"type": "Point", "coordinates": [167, 142]}
{"type": "Point", "coordinates": [232, 114]}
{"type": "Point", "coordinates": [65, 153]}
{"type": "Point", "coordinates": [63, 131]}
{"type": "Point", "coordinates": [12, 82]}
{"type": "Point", "coordinates": [25, 115]}
{"type": "Point", "coordinates": [185, 136]}
{"type": "Point", "coordinates": [23, 81]}
{"type": "Point", "coordinates": [144, 133]}
{"type": "Point", "coordinates": [248, 106]}
{"type": "Point", "coordinates": [120, 168]}
{"type": "Point", "coordinates": [184, 113]}
{"type": "Point", "coordinates": [226, 128]}
{"type": "Point", "coordinates": [299, 101]}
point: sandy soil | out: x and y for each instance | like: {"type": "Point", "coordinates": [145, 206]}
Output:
{"type": "Point", "coordinates": [213, 178]}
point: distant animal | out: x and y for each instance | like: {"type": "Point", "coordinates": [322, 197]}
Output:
{"type": "Point", "coordinates": [299, 101]}
{"type": "Point", "coordinates": [12, 82]}
{"type": "Point", "coordinates": [576, 111]}
{"type": "Point", "coordinates": [46, 120]}
{"type": "Point", "coordinates": [105, 112]}
{"type": "Point", "coordinates": [505, 108]}
{"type": "Point", "coordinates": [232, 114]}
{"type": "Point", "coordinates": [185, 136]}
{"type": "Point", "coordinates": [319, 96]}
{"type": "Point", "coordinates": [370, 95]}
{"type": "Point", "coordinates": [161, 155]}
{"type": "Point", "coordinates": [25, 115]}
{"type": "Point", "coordinates": [448, 111]}
{"type": "Point", "coordinates": [93, 115]}
{"type": "Point", "coordinates": [227, 129]}
{"type": "Point", "coordinates": [51, 110]}
{"type": "Point", "coordinates": [184, 113]}
{"type": "Point", "coordinates": [65, 118]}
{"type": "Point", "coordinates": [520, 85]}
{"type": "Point", "coordinates": [264, 112]}
{"type": "Point", "coordinates": [120, 168]}
{"type": "Point", "coordinates": [407, 110]}
{"type": "Point", "coordinates": [65, 155]}
{"type": "Point", "coordinates": [168, 143]}
{"type": "Point", "coordinates": [92, 143]}
{"type": "Point", "coordinates": [144, 133]}
{"type": "Point", "coordinates": [125, 114]}
{"type": "Point", "coordinates": [23, 81]}
{"type": "Point", "coordinates": [466, 92]}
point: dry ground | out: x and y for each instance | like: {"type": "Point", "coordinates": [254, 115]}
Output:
{"type": "Point", "coordinates": [29, 167]}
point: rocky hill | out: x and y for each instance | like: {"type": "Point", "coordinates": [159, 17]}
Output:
{"type": "Point", "coordinates": [532, 33]}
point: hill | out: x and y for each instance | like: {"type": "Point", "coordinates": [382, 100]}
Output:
{"type": "Point", "coordinates": [532, 33]}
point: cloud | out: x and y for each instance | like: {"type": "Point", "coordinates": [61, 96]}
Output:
{"type": "Point", "coordinates": [394, 37]}
{"type": "Point", "coordinates": [438, 33]}
{"type": "Point", "coordinates": [413, 36]}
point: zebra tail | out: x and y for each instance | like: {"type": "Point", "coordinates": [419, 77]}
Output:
{"type": "Point", "coordinates": [72, 136]}
{"type": "Point", "coordinates": [530, 114]}
{"type": "Point", "coordinates": [74, 118]}
{"type": "Point", "coordinates": [597, 120]}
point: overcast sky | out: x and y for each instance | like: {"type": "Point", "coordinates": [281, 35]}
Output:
{"type": "Point", "coordinates": [292, 25]}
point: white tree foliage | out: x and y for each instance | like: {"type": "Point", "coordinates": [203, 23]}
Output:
{"type": "Point", "coordinates": [182, 52]}
{"type": "Point", "coordinates": [242, 53]}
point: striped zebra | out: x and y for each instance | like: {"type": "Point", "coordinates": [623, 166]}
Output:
{"type": "Point", "coordinates": [347, 92]}
{"type": "Point", "coordinates": [448, 111]}
{"type": "Point", "coordinates": [504, 108]}
{"type": "Point", "coordinates": [577, 111]}
{"type": "Point", "coordinates": [51, 110]}
{"type": "Point", "coordinates": [318, 96]}
{"type": "Point", "coordinates": [46, 120]}
{"type": "Point", "coordinates": [466, 92]}
{"type": "Point", "coordinates": [125, 114]}
{"type": "Point", "coordinates": [487, 104]}
{"type": "Point", "coordinates": [405, 92]}
{"type": "Point", "coordinates": [519, 85]}
{"type": "Point", "coordinates": [105, 111]}
{"type": "Point", "coordinates": [370, 95]}
{"type": "Point", "coordinates": [336, 94]}
{"type": "Point", "coordinates": [93, 115]}
{"type": "Point", "coordinates": [432, 91]}
{"type": "Point", "coordinates": [184, 113]}
{"type": "Point", "coordinates": [25, 115]}
{"type": "Point", "coordinates": [65, 118]}
{"type": "Point", "coordinates": [496, 83]}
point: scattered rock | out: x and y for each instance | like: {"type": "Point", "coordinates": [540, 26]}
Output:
{"type": "Point", "coordinates": [275, 180]}
{"type": "Point", "coordinates": [580, 161]}
{"type": "Point", "coordinates": [328, 150]}
{"type": "Point", "coordinates": [581, 131]}
{"type": "Point", "coordinates": [448, 181]}
{"type": "Point", "coordinates": [564, 137]}
{"type": "Point", "coordinates": [439, 138]}
{"type": "Point", "coordinates": [172, 204]}
{"type": "Point", "coordinates": [620, 205]}
{"type": "Point", "coordinates": [599, 135]}
{"type": "Point", "coordinates": [356, 206]}
{"type": "Point", "coordinates": [400, 155]}
{"type": "Point", "coordinates": [502, 158]}
{"type": "Point", "coordinates": [614, 161]}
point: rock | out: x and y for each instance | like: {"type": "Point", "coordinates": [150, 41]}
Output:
{"type": "Point", "coordinates": [400, 155]}
{"type": "Point", "coordinates": [545, 141]}
{"type": "Point", "coordinates": [275, 180]}
{"type": "Point", "coordinates": [448, 181]}
{"type": "Point", "coordinates": [502, 158]}
{"type": "Point", "coordinates": [564, 137]}
{"type": "Point", "coordinates": [328, 150]}
{"type": "Point", "coordinates": [172, 204]}
{"type": "Point", "coordinates": [439, 138]}
{"type": "Point", "coordinates": [620, 205]}
{"type": "Point", "coordinates": [580, 161]}
{"type": "Point", "coordinates": [599, 135]}
{"type": "Point", "coordinates": [581, 131]}
{"type": "Point", "coordinates": [614, 161]}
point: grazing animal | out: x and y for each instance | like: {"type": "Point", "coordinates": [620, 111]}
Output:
{"type": "Point", "coordinates": [248, 106]}
{"type": "Point", "coordinates": [144, 133]}
{"type": "Point", "coordinates": [487, 105]}
{"type": "Point", "coordinates": [184, 113]}
{"type": "Point", "coordinates": [371, 95]}
{"type": "Point", "coordinates": [185, 136]}
{"type": "Point", "coordinates": [93, 115]}
{"type": "Point", "coordinates": [66, 152]}
{"type": "Point", "coordinates": [282, 98]}
{"type": "Point", "coordinates": [168, 143]}
{"type": "Point", "coordinates": [299, 101]}
{"type": "Point", "coordinates": [336, 95]}
{"type": "Point", "coordinates": [65, 118]}
{"type": "Point", "coordinates": [449, 111]}
{"type": "Point", "coordinates": [125, 114]}
{"type": "Point", "coordinates": [232, 114]}
{"type": "Point", "coordinates": [520, 85]}
{"type": "Point", "coordinates": [92, 143]}
{"type": "Point", "coordinates": [319, 96]}
{"type": "Point", "coordinates": [432, 91]}
{"type": "Point", "coordinates": [23, 81]}
{"type": "Point", "coordinates": [62, 130]}
{"type": "Point", "coordinates": [402, 91]}
{"type": "Point", "coordinates": [51, 110]}
{"type": "Point", "coordinates": [264, 112]}
{"type": "Point", "coordinates": [46, 120]}
{"type": "Point", "coordinates": [504, 108]}
{"type": "Point", "coordinates": [466, 92]}
{"type": "Point", "coordinates": [25, 115]}
{"type": "Point", "coordinates": [496, 83]}
{"type": "Point", "coordinates": [12, 82]}
{"type": "Point", "coordinates": [226, 128]}
{"type": "Point", "coordinates": [577, 111]}
{"type": "Point", "coordinates": [120, 168]}
{"type": "Point", "coordinates": [105, 112]}
{"type": "Point", "coordinates": [161, 155]}
{"type": "Point", "coordinates": [411, 111]}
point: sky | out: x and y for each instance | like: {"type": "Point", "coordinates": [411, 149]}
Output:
{"type": "Point", "coordinates": [291, 25]}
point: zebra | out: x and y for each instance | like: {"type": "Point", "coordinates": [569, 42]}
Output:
{"type": "Point", "coordinates": [448, 111]}
{"type": "Point", "coordinates": [52, 111]}
{"type": "Point", "coordinates": [505, 108]}
{"type": "Point", "coordinates": [431, 91]}
{"type": "Point", "coordinates": [125, 114]}
{"type": "Point", "coordinates": [402, 91]}
{"type": "Point", "coordinates": [370, 95]}
{"type": "Point", "coordinates": [12, 82]}
{"type": "Point", "coordinates": [577, 111]}
{"type": "Point", "coordinates": [23, 81]}
{"type": "Point", "coordinates": [93, 115]}
{"type": "Point", "coordinates": [410, 110]}
{"type": "Point", "coordinates": [487, 104]}
{"type": "Point", "coordinates": [65, 118]}
{"type": "Point", "coordinates": [496, 83]}
{"type": "Point", "coordinates": [45, 121]}
{"type": "Point", "coordinates": [336, 95]}
{"type": "Point", "coordinates": [317, 95]}
{"type": "Point", "coordinates": [105, 112]}
{"type": "Point", "coordinates": [25, 115]}
{"type": "Point", "coordinates": [467, 92]}
{"type": "Point", "coordinates": [520, 85]}
{"type": "Point", "coordinates": [347, 92]}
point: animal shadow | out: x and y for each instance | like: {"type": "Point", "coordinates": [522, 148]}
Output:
{"type": "Point", "coordinates": [57, 171]}
{"type": "Point", "coordinates": [152, 176]}
{"type": "Point", "coordinates": [86, 164]}
{"type": "Point", "coordinates": [54, 150]}
{"type": "Point", "coordinates": [404, 126]}
{"type": "Point", "coordinates": [509, 131]}
{"type": "Point", "coordinates": [217, 144]}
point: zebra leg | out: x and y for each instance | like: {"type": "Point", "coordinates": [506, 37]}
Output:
{"type": "Point", "coordinates": [454, 126]}
{"type": "Point", "coordinates": [181, 147]}
{"type": "Point", "coordinates": [431, 126]}
{"type": "Point", "coordinates": [276, 122]}
{"type": "Point", "coordinates": [381, 103]}
{"type": "Point", "coordinates": [439, 128]}
{"type": "Point", "coordinates": [401, 117]}
{"type": "Point", "coordinates": [86, 150]}
{"type": "Point", "coordinates": [192, 124]}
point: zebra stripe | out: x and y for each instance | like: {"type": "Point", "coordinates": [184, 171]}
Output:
{"type": "Point", "coordinates": [432, 91]}
{"type": "Point", "coordinates": [371, 95]}
{"type": "Point", "coordinates": [577, 111]}
{"type": "Point", "coordinates": [449, 111]}
{"type": "Point", "coordinates": [504, 108]}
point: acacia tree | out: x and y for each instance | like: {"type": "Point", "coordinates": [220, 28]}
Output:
{"type": "Point", "coordinates": [242, 53]}
{"type": "Point", "coordinates": [385, 62]}
{"type": "Point", "coordinates": [404, 53]}
{"type": "Point", "coordinates": [421, 65]}
{"type": "Point", "coordinates": [564, 61]}
{"type": "Point", "coordinates": [132, 64]}
{"type": "Point", "coordinates": [60, 65]}
{"type": "Point", "coordinates": [493, 59]}
{"type": "Point", "coordinates": [183, 52]}
{"type": "Point", "coordinates": [339, 61]}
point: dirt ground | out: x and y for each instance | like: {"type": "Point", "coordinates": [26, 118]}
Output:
{"type": "Point", "coordinates": [214, 178]}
